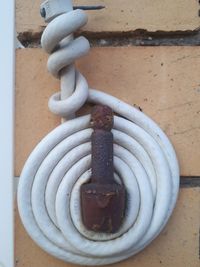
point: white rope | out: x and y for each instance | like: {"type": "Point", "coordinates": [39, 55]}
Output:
{"type": "Point", "coordinates": [49, 188]}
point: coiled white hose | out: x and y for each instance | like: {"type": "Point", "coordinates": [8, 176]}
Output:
{"type": "Point", "coordinates": [144, 160]}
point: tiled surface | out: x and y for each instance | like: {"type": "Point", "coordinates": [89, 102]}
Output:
{"type": "Point", "coordinates": [163, 81]}
{"type": "Point", "coordinates": [121, 16]}
{"type": "Point", "coordinates": [178, 245]}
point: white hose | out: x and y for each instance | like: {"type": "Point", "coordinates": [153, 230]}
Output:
{"type": "Point", "coordinates": [49, 188]}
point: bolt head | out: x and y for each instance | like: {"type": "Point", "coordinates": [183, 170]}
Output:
{"type": "Point", "coordinates": [43, 12]}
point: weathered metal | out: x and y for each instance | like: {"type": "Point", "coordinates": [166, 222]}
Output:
{"type": "Point", "coordinates": [102, 200]}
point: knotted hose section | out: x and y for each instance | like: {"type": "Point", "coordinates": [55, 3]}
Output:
{"type": "Point", "coordinates": [49, 188]}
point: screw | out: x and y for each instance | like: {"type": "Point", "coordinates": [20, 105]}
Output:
{"type": "Point", "coordinates": [43, 11]}
{"type": "Point", "coordinates": [89, 7]}
{"type": "Point", "coordinates": [102, 200]}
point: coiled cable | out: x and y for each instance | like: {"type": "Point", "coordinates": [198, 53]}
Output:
{"type": "Point", "coordinates": [49, 187]}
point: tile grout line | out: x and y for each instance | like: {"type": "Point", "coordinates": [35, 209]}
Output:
{"type": "Point", "coordinates": [189, 181]}
{"type": "Point", "coordinates": [15, 185]}
{"type": "Point", "coordinates": [185, 182]}
{"type": "Point", "coordinates": [137, 38]}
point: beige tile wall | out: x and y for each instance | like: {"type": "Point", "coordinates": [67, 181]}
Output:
{"type": "Point", "coordinates": [163, 81]}
{"type": "Point", "coordinates": [177, 246]}
{"type": "Point", "coordinates": [121, 15]}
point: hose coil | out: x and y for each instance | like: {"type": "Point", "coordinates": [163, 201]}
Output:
{"type": "Point", "coordinates": [49, 188]}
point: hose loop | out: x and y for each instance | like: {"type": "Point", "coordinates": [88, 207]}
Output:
{"type": "Point", "coordinates": [58, 41]}
{"type": "Point", "coordinates": [49, 188]}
